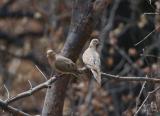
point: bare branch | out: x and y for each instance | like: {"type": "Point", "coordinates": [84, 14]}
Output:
{"type": "Point", "coordinates": [151, 13]}
{"type": "Point", "coordinates": [140, 93]}
{"type": "Point", "coordinates": [41, 72]}
{"type": "Point", "coordinates": [119, 78]}
{"type": "Point", "coordinates": [8, 95]}
{"type": "Point", "coordinates": [146, 37]}
{"type": "Point", "coordinates": [123, 78]}
{"type": "Point", "coordinates": [53, 79]}
{"type": "Point", "coordinates": [32, 90]}
{"type": "Point", "coordinates": [12, 110]}
{"type": "Point", "coordinates": [30, 84]}
{"type": "Point", "coordinates": [149, 94]}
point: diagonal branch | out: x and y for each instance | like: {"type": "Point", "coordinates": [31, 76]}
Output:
{"type": "Point", "coordinates": [149, 94]}
{"type": "Point", "coordinates": [12, 110]}
{"type": "Point", "coordinates": [31, 91]}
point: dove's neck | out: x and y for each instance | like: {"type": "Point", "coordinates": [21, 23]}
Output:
{"type": "Point", "coordinates": [92, 47]}
{"type": "Point", "coordinates": [53, 57]}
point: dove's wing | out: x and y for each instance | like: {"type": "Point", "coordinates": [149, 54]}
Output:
{"type": "Point", "coordinates": [96, 60]}
{"type": "Point", "coordinates": [87, 58]}
{"type": "Point", "coordinates": [92, 60]}
{"type": "Point", "coordinates": [64, 64]}
{"type": "Point", "coordinates": [96, 70]}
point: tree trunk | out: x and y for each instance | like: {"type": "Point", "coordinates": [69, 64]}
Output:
{"type": "Point", "coordinates": [80, 29]}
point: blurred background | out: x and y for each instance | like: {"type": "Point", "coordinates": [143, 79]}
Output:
{"type": "Point", "coordinates": [29, 27]}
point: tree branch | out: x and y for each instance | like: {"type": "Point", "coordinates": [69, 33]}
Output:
{"type": "Point", "coordinates": [12, 110]}
{"type": "Point", "coordinates": [120, 78]}
{"type": "Point", "coordinates": [48, 83]}
{"type": "Point", "coordinates": [33, 90]}
{"type": "Point", "coordinates": [149, 94]}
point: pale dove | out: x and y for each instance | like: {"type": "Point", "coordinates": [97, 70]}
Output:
{"type": "Point", "coordinates": [92, 60]}
{"type": "Point", "coordinates": [61, 64]}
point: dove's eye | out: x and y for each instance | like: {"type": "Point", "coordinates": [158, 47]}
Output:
{"type": "Point", "coordinates": [95, 42]}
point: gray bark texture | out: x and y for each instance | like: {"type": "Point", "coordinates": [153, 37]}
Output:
{"type": "Point", "coordinates": [80, 29]}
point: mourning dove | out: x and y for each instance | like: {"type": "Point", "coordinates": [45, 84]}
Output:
{"type": "Point", "coordinates": [92, 60]}
{"type": "Point", "coordinates": [61, 64]}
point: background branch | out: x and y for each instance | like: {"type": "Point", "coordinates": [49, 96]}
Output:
{"type": "Point", "coordinates": [149, 94]}
{"type": "Point", "coordinates": [119, 78]}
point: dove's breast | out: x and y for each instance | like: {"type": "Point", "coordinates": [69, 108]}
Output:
{"type": "Point", "coordinates": [91, 58]}
{"type": "Point", "coordinates": [86, 56]}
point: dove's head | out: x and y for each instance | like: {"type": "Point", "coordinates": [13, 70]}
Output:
{"type": "Point", "coordinates": [51, 54]}
{"type": "Point", "coordinates": [94, 43]}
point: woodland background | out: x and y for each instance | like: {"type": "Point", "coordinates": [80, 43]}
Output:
{"type": "Point", "coordinates": [29, 27]}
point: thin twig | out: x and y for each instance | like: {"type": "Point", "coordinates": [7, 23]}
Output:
{"type": "Point", "coordinates": [41, 72]}
{"type": "Point", "coordinates": [8, 95]}
{"type": "Point", "coordinates": [151, 13]}
{"type": "Point", "coordinates": [30, 84]}
{"type": "Point", "coordinates": [150, 55]}
{"type": "Point", "coordinates": [147, 36]}
{"type": "Point", "coordinates": [109, 25]}
{"type": "Point", "coordinates": [140, 93]}
{"type": "Point", "coordinates": [120, 78]}
{"type": "Point", "coordinates": [128, 59]}
{"type": "Point", "coordinates": [149, 94]}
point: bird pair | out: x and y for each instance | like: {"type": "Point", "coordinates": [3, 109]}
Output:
{"type": "Point", "coordinates": [65, 65]}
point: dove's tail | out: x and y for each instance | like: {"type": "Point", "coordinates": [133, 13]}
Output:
{"type": "Point", "coordinates": [97, 75]}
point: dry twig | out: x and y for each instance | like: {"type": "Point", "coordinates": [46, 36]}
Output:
{"type": "Point", "coordinates": [119, 78]}
{"type": "Point", "coordinates": [12, 110]}
{"type": "Point", "coordinates": [149, 94]}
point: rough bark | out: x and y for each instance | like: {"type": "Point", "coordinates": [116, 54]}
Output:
{"type": "Point", "coordinates": [80, 29]}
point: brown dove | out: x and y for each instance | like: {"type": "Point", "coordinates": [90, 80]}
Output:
{"type": "Point", "coordinates": [61, 64]}
{"type": "Point", "coordinates": [91, 59]}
